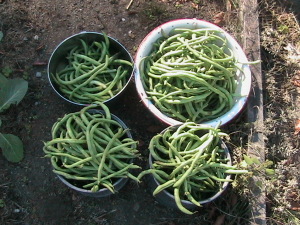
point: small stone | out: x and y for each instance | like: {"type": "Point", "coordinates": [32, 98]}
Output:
{"type": "Point", "coordinates": [131, 34]}
{"type": "Point", "coordinates": [17, 210]}
{"type": "Point", "coordinates": [38, 74]}
{"type": "Point", "coordinates": [123, 19]}
{"type": "Point", "coordinates": [136, 207]}
{"type": "Point", "coordinates": [36, 37]}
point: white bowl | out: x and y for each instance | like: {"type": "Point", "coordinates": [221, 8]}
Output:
{"type": "Point", "coordinates": [243, 77]}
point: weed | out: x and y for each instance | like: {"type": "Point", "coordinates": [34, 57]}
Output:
{"type": "Point", "coordinates": [12, 91]}
{"type": "Point", "coordinates": [6, 71]}
{"type": "Point", "coordinates": [2, 203]}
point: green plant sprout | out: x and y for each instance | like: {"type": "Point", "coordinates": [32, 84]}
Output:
{"type": "Point", "coordinates": [12, 91]}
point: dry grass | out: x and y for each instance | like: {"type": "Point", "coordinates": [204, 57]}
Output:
{"type": "Point", "coordinates": [280, 41]}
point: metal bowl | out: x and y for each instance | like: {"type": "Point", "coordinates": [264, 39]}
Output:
{"type": "Point", "coordinates": [166, 198]}
{"type": "Point", "coordinates": [58, 59]}
{"type": "Point", "coordinates": [103, 192]}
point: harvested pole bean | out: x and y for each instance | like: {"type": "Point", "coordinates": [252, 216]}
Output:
{"type": "Point", "coordinates": [91, 149]}
{"type": "Point", "coordinates": [190, 75]}
{"type": "Point", "coordinates": [94, 72]}
{"type": "Point", "coordinates": [189, 161]}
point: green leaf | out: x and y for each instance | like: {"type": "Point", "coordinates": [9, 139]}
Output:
{"type": "Point", "coordinates": [259, 183]}
{"type": "Point", "coordinates": [7, 71]}
{"type": "Point", "coordinates": [12, 91]}
{"type": "Point", "coordinates": [1, 35]}
{"type": "Point", "coordinates": [248, 160]}
{"type": "Point", "coordinates": [12, 147]}
{"type": "Point", "coordinates": [256, 161]}
{"type": "Point", "coordinates": [2, 203]}
{"type": "Point", "coordinates": [270, 172]}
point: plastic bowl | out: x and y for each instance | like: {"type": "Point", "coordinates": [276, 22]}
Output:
{"type": "Point", "coordinates": [58, 59]}
{"type": "Point", "coordinates": [243, 77]}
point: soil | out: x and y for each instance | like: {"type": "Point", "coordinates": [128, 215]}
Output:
{"type": "Point", "coordinates": [32, 194]}
{"type": "Point", "coordinates": [29, 190]}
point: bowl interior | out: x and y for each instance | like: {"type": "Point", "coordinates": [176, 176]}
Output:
{"type": "Point", "coordinates": [243, 76]}
{"type": "Point", "coordinates": [58, 59]}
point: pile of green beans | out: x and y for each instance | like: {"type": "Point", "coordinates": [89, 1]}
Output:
{"type": "Point", "coordinates": [190, 75]}
{"type": "Point", "coordinates": [91, 150]}
{"type": "Point", "coordinates": [93, 72]}
{"type": "Point", "coordinates": [190, 162]}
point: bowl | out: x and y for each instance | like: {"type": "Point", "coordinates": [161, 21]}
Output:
{"type": "Point", "coordinates": [68, 58]}
{"type": "Point", "coordinates": [166, 196]}
{"type": "Point", "coordinates": [78, 176]}
{"type": "Point", "coordinates": [167, 199]}
{"type": "Point", "coordinates": [242, 76]}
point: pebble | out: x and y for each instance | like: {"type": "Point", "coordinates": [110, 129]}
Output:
{"type": "Point", "coordinates": [17, 210]}
{"type": "Point", "coordinates": [136, 207]}
{"type": "Point", "coordinates": [131, 34]}
{"type": "Point", "coordinates": [38, 74]}
{"type": "Point", "coordinates": [36, 37]}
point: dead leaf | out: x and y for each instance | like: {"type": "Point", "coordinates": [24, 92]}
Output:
{"type": "Point", "coordinates": [195, 6]}
{"type": "Point", "coordinates": [219, 18]}
{"type": "Point", "coordinates": [39, 63]}
{"type": "Point", "coordinates": [220, 220]}
{"type": "Point", "coordinates": [40, 47]}
{"type": "Point", "coordinates": [296, 82]}
{"type": "Point", "coordinates": [211, 213]}
{"type": "Point", "coordinates": [228, 5]}
{"type": "Point", "coordinates": [297, 127]}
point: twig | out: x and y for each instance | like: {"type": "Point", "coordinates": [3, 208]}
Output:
{"type": "Point", "coordinates": [106, 213]}
{"type": "Point", "coordinates": [129, 4]}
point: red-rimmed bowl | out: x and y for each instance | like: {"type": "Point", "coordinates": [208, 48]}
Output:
{"type": "Point", "coordinates": [242, 76]}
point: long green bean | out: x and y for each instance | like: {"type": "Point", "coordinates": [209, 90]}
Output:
{"type": "Point", "coordinates": [94, 72]}
{"type": "Point", "coordinates": [190, 162]}
{"type": "Point", "coordinates": [91, 147]}
{"type": "Point", "coordinates": [187, 61]}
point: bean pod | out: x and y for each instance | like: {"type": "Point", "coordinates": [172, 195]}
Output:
{"type": "Point", "coordinates": [190, 162]}
{"type": "Point", "coordinates": [94, 71]}
{"type": "Point", "coordinates": [190, 75]}
{"type": "Point", "coordinates": [91, 150]}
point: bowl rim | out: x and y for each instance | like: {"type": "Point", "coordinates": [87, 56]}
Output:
{"type": "Point", "coordinates": [197, 23]}
{"type": "Point", "coordinates": [74, 36]}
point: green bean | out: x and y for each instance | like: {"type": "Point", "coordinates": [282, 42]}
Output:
{"type": "Point", "coordinates": [106, 150]}
{"type": "Point", "coordinates": [73, 177]}
{"type": "Point", "coordinates": [76, 152]}
{"type": "Point", "coordinates": [188, 60]}
{"type": "Point", "coordinates": [163, 186]}
{"type": "Point", "coordinates": [179, 204]}
{"type": "Point", "coordinates": [92, 69]}
{"type": "Point", "coordinates": [188, 194]}
{"type": "Point", "coordinates": [195, 165]}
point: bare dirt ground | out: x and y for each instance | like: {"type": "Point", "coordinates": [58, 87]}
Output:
{"type": "Point", "coordinates": [29, 191]}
